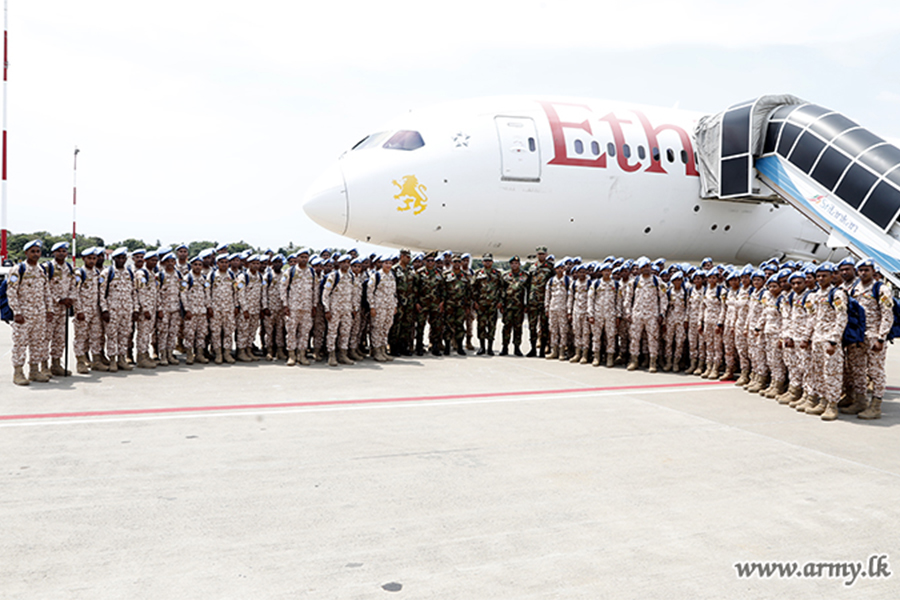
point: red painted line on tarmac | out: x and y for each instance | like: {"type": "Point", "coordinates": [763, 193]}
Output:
{"type": "Point", "coordinates": [232, 407]}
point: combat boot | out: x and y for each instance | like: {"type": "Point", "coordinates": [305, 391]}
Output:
{"type": "Point", "coordinates": [270, 356]}
{"type": "Point", "coordinates": [376, 354]}
{"type": "Point", "coordinates": [652, 364]}
{"type": "Point", "coordinates": [490, 348]}
{"type": "Point", "coordinates": [300, 355]}
{"type": "Point", "coordinates": [448, 347]}
{"type": "Point", "coordinates": [420, 350]}
{"type": "Point", "coordinates": [633, 364]}
{"type": "Point", "coordinates": [45, 368]}
{"type": "Point", "coordinates": [97, 364]}
{"type": "Point", "coordinates": [584, 356]}
{"type": "Point", "coordinates": [292, 358]}
{"type": "Point", "coordinates": [161, 357]}
{"type": "Point", "coordinates": [596, 362]}
{"type": "Point", "coordinates": [81, 365]}
{"type": "Point", "coordinates": [728, 375]}
{"type": "Point", "coordinates": [533, 352]}
{"type": "Point", "coordinates": [807, 401]}
{"type": "Point", "coordinates": [667, 365]}
{"type": "Point", "coordinates": [343, 358]}
{"type": "Point", "coordinates": [123, 364]}
{"type": "Point", "coordinates": [332, 359]}
{"type": "Point", "coordinates": [554, 353]}
{"type": "Point", "coordinates": [610, 360]}
{"type": "Point", "coordinates": [701, 368]}
{"type": "Point", "coordinates": [173, 360]}
{"type": "Point", "coordinates": [279, 354]}
{"type": "Point", "coordinates": [352, 354]}
{"type": "Point", "coordinates": [858, 405]}
{"type": "Point", "coordinates": [481, 349]}
{"type": "Point", "coordinates": [218, 359]}
{"type": "Point", "coordinates": [189, 356]}
{"type": "Point", "coordinates": [387, 357]}
{"type": "Point", "coordinates": [56, 368]}
{"type": "Point", "coordinates": [818, 408]}
{"type": "Point", "coordinates": [744, 378]}
{"type": "Point", "coordinates": [800, 399]}
{"type": "Point", "coordinates": [787, 397]}
{"type": "Point", "coordinates": [776, 389]}
{"type": "Point", "coordinates": [692, 367]}
{"type": "Point", "coordinates": [242, 355]}
{"type": "Point", "coordinates": [831, 412]}
{"type": "Point", "coordinates": [437, 349]}
{"type": "Point", "coordinates": [872, 412]}
{"type": "Point", "coordinates": [755, 384]}
{"type": "Point", "coordinates": [19, 377]}
{"type": "Point", "coordinates": [228, 356]}
{"type": "Point", "coordinates": [200, 357]}
{"type": "Point", "coordinates": [517, 350]}
{"type": "Point", "coordinates": [576, 357]}
{"type": "Point", "coordinates": [104, 359]}
{"type": "Point", "coordinates": [144, 361]}
{"type": "Point", "coordinates": [504, 351]}
{"type": "Point", "coordinates": [543, 352]}
{"type": "Point", "coordinates": [35, 373]}
{"type": "Point", "coordinates": [563, 353]}
{"type": "Point", "coordinates": [714, 373]}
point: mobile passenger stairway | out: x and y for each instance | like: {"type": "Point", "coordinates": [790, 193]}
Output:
{"type": "Point", "coordinates": [841, 176]}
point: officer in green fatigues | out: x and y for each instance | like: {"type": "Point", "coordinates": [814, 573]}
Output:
{"type": "Point", "coordinates": [515, 290]}
{"type": "Point", "coordinates": [456, 306]}
{"type": "Point", "coordinates": [401, 335]}
{"type": "Point", "coordinates": [486, 292]}
{"type": "Point", "coordinates": [538, 324]}
{"type": "Point", "coordinates": [429, 305]}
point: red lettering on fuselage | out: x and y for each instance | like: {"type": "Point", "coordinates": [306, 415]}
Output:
{"type": "Point", "coordinates": [561, 157]}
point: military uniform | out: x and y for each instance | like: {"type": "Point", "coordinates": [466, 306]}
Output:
{"type": "Point", "coordinates": [117, 299]}
{"type": "Point", "coordinates": [404, 322]}
{"type": "Point", "coordinates": [876, 298]}
{"type": "Point", "coordinates": [771, 305]}
{"type": "Point", "coordinates": [381, 295]}
{"type": "Point", "coordinates": [300, 291]}
{"type": "Point", "coordinates": [169, 323]}
{"type": "Point", "coordinates": [337, 299]}
{"type": "Point", "coordinates": [514, 297]}
{"type": "Point", "coordinates": [648, 305]}
{"type": "Point", "coordinates": [222, 292]}
{"type": "Point", "coordinates": [539, 276]}
{"type": "Point", "coordinates": [676, 325]}
{"type": "Point", "coordinates": [88, 334]}
{"type": "Point", "coordinates": [28, 292]}
{"type": "Point", "coordinates": [742, 302]}
{"type": "Point", "coordinates": [430, 300]}
{"type": "Point", "coordinates": [556, 301]}
{"type": "Point", "coordinates": [757, 340]}
{"type": "Point", "coordinates": [274, 322]}
{"type": "Point", "coordinates": [713, 325]}
{"type": "Point", "coordinates": [251, 301]}
{"type": "Point", "coordinates": [146, 284]}
{"type": "Point", "coordinates": [486, 297]}
{"type": "Point", "coordinates": [457, 299]}
{"type": "Point", "coordinates": [61, 278]}
{"type": "Point", "coordinates": [828, 329]}
{"type": "Point", "coordinates": [196, 300]}
{"type": "Point", "coordinates": [579, 308]}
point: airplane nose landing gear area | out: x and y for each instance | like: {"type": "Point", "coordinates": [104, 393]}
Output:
{"type": "Point", "coordinates": [326, 201]}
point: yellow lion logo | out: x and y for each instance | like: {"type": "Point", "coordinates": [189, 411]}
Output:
{"type": "Point", "coordinates": [412, 193]}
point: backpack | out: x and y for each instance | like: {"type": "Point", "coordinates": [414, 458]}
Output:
{"type": "Point", "coordinates": [6, 313]}
{"type": "Point", "coordinates": [895, 326]}
{"type": "Point", "coordinates": [634, 287]}
{"type": "Point", "coordinates": [112, 273]}
{"type": "Point", "coordinates": [855, 331]}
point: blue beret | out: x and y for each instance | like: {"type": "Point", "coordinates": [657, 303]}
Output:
{"type": "Point", "coordinates": [32, 244]}
{"type": "Point", "coordinates": [60, 246]}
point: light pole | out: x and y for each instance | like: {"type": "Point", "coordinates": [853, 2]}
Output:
{"type": "Point", "coordinates": [74, 203]}
{"type": "Point", "coordinates": [3, 250]}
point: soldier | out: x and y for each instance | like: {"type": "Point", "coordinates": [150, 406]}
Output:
{"type": "Point", "coordinates": [209, 261]}
{"type": "Point", "coordinates": [466, 260]}
{"type": "Point", "coordinates": [222, 292]}
{"type": "Point", "coordinates": [359, 278]}
{"type": "Point", "coordinates": [28, 293]}
{"type": "Point", "coordinates": [169, 312]}
{"type": "Point", "coordinates": [603, 313]}
{"type": "Point", "coordinates": [556, 301]}
{"type": "Point", "coordinates": [88, 335]}
{"type": "Point", "coordinates": [538, 318]}
{"type": "Point", "coordinates": [381, 294]}
{"type": "Point", "coordinates": [429, 305]}
{"type": "Point", "coordinates": [251, 301]}
{"type": "Point", "coordinates": [729, 334]}
{"type": "Point", "coordinates": [740, 325]}
{"type": "Point", "coordinates": [458, 300]}
{"type": "Point", "coordinates": [756, 336]}
{"type": "Point", "coordinates": [181, 255]}
{"type": "Point", "coordinates": [805, 332]}
{"type": "Point", "coordinates": [61, 276]}
{"type": "Point", "coordinates": [648, 308]}
{"type": "Point", "coordinates": [118, 308]}
{"type": "Point", "coordinates": [197, 309]}
{"type": "Point", "coordinates": [299, 290]}
{"type": "Point", "coordinates": [827, 355]}
{"type": "Point", "coordinates": [322, 268]}
{"type": "Point", "coordinates": [771, 302]}
{"type": "Point", "coordinates": [514, 297]}
{"type": "Point", "coordinates": [578, 308]}
{"type": "Point", "coordinates": [337, 300]}
{"type": "Point", "coordinates": [146, 285]}
{"type": "Point", "coordinates": [404, 322]}
{"type": "Point", "coordinates": [867, 358]}
{"type": "Point", "coordinates": [713, 323]}
{"type": "Point", "coordinates": [486, 300]}
{"type": "Point", "coordinates": [793, 326]}
{"type": "Point", "coordinates": [696, 343]}
{"type": "Point", "coordinates": [273, 322]}
{"type": "Point", "coordinates": [676, 321]}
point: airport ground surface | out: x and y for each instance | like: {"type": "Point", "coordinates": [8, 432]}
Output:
{"type": "Point", "coordinates": [432, 478]}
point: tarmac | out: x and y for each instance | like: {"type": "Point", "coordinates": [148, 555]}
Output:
{"type": "Point", "coordinates": [453, 477]}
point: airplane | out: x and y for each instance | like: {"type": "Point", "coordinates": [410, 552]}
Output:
{"type": "Point", "coordinates": [592, 177]}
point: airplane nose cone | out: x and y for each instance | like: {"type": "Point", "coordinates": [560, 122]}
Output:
{"type": "Point", "coordinates": [326, 200]}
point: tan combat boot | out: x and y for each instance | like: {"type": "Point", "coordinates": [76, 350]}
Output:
{"type": "Point", "coordinates": [189, 356]}
{"type": "Point", "coordinates": [701, 368]}
{"type": "Point", "coordinates": [652, 364]}
{"type": "Point", "coordinates": [332, 359]}
{"type": "Point", "coordinates": [292, 358]}
{"type": "Point", "coordinates": [858, 405]}
{"type": "Point", "coordinates": [123, 364]}
{"type": "Point", "coordinates": [554, 353]}
{"type": "Point", "coordinates": [713, 373]}
{"type": "Point", "coordinates": [576, 357]}
{"type": "Point", "coordinates": [376, 354]}
{"type": "Point", "coordinates": [301, 358]}
{"type": "Point", "coordinates": [343, 358]}
{"type": "Point", "coordinates": [97, 364]}
{"type": "Point", "coordinates": [632, 364]}
{"type": "Point", "coordinates": [818, 408]}
{"type": "Point", "coordinates": [218, 359]}
{"type": "Point", "coordinates": [770, 390]}
{"type": "Point", "coordinates": [45, 368]}
{"type": "Point", "coordinates": [744, 378]}
{"type": "Point", "coordinates": [200, 357]}
{"type": "Point", "coordinates": [104, 359]}
{"type": "Point", "coordinates": [56, 368]}
{"type": "Point", "coordinates": [563, 350]}
{"type": "Point", "coordinates": [353, 354]}
{"type": "Point", "coordinates": [161, 359]}
{"type": "Point", "coordinates": [728, 375]}
{"type": "Point", "coordinates": [279, 354]}
{"type": "Point", "coordinates": [584, 357]}
{"type": "Point", "coordinates": [226, 354]}
{"type": "Point", "coordinates": [596, 362]}
{"type": "Point", "coordinates": [667, 364]}
{"type": "Point", "coordinates": [806, 401]}
{"type": "Point", "coordinates": [173, 360]}
{"type": "Point", "coordinates": [144, 361]}
{"type": "Point", "coordinates": [692, 367]}
{"type": "Point", "coordinates": [19, 377]}
{"type": "Point", "coordinates": [872, 412]}
{"type": "Point", "coordinates": [244, 356]}
{"type": "Point", "coordinates": [799, 399]}
{"type": "Point", "coordinates": [831, 412]}
{"type": "Point", "coordinates": [385, 355]}
{"type": "Point", "coordinates": [610, 360]}
{"type": "Point", "coordinates": [81, 365]}
{"type": "Point", "coordinates": [756, 384]}
{"type": "Point", "coordinates": [36, 374]}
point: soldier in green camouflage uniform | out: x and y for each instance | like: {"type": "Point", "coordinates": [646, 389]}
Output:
{"type": "Point", "coordinates": [401, 335]}
{"type": "Point", "coordinates": [429, 305]}
{"type": "Point", "coordinates": [538, 324]}
{"type": "Point", "coordinates": [456, 306]}
{"type": "Point", "coordinates": [515, 290]}
{"type": "Point", "coordinates": [486, 296]}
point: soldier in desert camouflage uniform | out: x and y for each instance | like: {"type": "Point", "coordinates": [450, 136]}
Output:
{"type": "Point", "coordinates": [222, 294]}
{"type": "Point", "coordinates": [677, 296]}
{"type": "Point", "coordinates": [250, 299]}
{"type": "Point", "coordinates": [146, 283]}
{"type": "Point", "coordinates": [61, 277]}
{"type": "Point", "coordinates": [169, 311]}
{"type": "Point", "coordinates": [28, 293]}
{"type": "Point", "coordinates": [88, 335]}
{"type": "Point", "coordinates": [118, 308]}
{"type": "Point", "coordinates": [197, 309]}
{"type": "Point", "coordinates": [337, 300]}
{"type": "Point", "coordinates": [299, 290]}
{"type": "Point", "coordinates": [381, 293]}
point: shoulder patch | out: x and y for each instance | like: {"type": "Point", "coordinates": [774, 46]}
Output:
{"type": "Point", "coordinates": [13, 278]}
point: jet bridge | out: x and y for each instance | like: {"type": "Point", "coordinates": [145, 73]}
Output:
{"type": "Point", "coordinates": [841, 176]}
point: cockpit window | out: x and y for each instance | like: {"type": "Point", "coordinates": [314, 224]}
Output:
{"type": "Point", "coordinates": [370, 141]}
{"type": "Point", "coordinates": [405, 140]}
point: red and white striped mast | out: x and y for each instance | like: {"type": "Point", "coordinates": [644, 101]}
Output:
{"type": "Point", "coordinates": [3, 233]}
{"type": "Point", "coordinates": [74, 198]}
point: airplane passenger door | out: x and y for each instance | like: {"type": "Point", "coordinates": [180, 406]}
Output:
{"type": "Point", "coordinates": [520, 155]}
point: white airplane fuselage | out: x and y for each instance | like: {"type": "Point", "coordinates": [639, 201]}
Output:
{"type": "Point", "coordinates": [583, 177]}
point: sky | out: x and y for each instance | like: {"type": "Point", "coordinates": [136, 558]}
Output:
{"type": "Point", "coordinates": [201, 120]}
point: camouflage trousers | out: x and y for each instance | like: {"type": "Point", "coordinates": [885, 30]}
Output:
{"type": "Point", "coordinates": [118, 331]}
{"type": "Point", "coordinates": [866, 364]}
{"type": "Point", "coordinates": [713, 341]}
{"type": "Point", "coordinates": [57, 333]}
{"type": "Point", "coordinates": [195, 330]}
{"type": "Point", "coordinates": [581, 329]}
{"type": "Point", "coordinates": [558, 327]}
{"type": "Point", "coordinates": [434, 318]}
{"type": "Point", "coordinates": [604, 324]}
{"type": "Point", "coordinates": [641, 324]}
{"type": "Point", "coordinates": [298, 325]}
{"type": "Point", "coordinates": [88, 334]}
{"type": "Point", "coordinates": [222, 329]}
{"type": "Point", "coordinates": [758, 353]}
{"type": "Point", "coordinates": [729, 343]}
{"type": "Point", "coordinates": [513, 317]}
{"type": "Point", "coordinates": [145, 328]}
{"type": "Point", "coordinates": [381, 325]}
{"type": "Point", "coordinates": [29, 339]}
{"type": "Point", "coordinates": [740, 344]}
{"type": "Point", "coordinates": [320, 328]}
{"type": "Point", "coordinates": [339, 330]}
{"type": "Point", "coordinates": [774, 358]}
{"type": "Point", "coordinates": [793, 362]}
{"type": "Point", "coordinates": [167, 330]}
{"type": "Point", "coordinates": [538, 324]}
{"type": "Point", "coordinates": [827, 371]}
{"type": "Point", "coordinates": [454, 324]}
{"type": "Point", "coordinates": [246, 329]}
{"type": "Point", "coordinates": [273, 330]}
{"type": "Point", "coordinates": [403, 330]}
{"type": "Point", "coordinates": [674, 340]}
{"type": "Point", "coordinates": [487, 323]}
